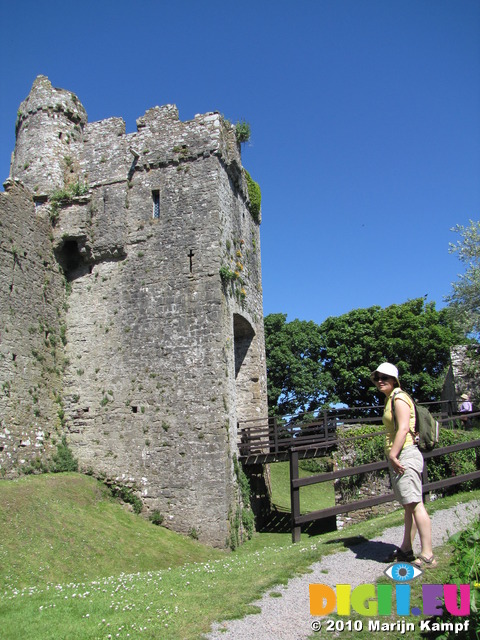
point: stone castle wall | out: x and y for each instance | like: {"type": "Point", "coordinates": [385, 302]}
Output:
{"type": "Point", "coordinates": [462, 376]}
{"type": "Point", "coordinates": [363, 486]}
{"type": "Point", "coordinates": [31, 329]}
{"type": "Point", "coordinates": [159, 355]}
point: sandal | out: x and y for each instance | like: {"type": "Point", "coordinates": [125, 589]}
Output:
{"type": "Point", "coordinates": [398, 555]}
{"type": "Point", "coordinates": [427, 563]}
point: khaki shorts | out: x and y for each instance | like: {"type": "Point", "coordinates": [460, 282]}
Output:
{"type": "Point", "coordinates": [407, 487]}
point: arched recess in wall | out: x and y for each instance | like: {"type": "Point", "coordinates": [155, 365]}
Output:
{"type": "Point", "coordinates": [71, 256]}
{"type": "Point", "coordinates": [246, 368]}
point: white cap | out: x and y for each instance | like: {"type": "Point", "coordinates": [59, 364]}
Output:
{"type": "Point", "coordinates": [388, 369]}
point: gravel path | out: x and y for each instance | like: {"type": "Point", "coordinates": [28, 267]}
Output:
{"type": "Point", "coordinates": [288, 617]}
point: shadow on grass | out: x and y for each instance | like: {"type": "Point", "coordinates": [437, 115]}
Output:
{"type": "Point", "coordinates": [279, 521]}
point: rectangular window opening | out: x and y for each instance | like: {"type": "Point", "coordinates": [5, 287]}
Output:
{"type": "Point", "coordinates": [156, 204]}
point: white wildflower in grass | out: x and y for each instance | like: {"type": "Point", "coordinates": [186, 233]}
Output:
{"type": "Point", "coordinates": [153, 603]}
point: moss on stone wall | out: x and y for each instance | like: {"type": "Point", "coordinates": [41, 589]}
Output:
{"type": "Point", "coordinates": [242, 520]}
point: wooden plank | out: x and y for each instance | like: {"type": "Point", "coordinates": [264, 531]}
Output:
{"type": "Point", "coordinates": [370, 502]}
{"type": "Point", "coordinates": [448, 482]}
{"type": "Point", "coordinates": [341, 473]}
{"type": "Point", "coordinates": [298, 520]}
{"type": "Point", "coordinates": [343, 508]}
{"type": "Point", "coordinates": [439, 451]}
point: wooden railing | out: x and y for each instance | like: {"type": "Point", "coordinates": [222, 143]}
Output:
{"type": "Point", "coordinates": [270, 439]}
{"type": "Point", "coordinates": [295, 452]}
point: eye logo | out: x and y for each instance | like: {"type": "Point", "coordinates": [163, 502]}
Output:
{"type": "Point", "coordinates": [402, 572]}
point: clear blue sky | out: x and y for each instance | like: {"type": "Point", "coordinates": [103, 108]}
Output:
{"type": "Point", "coordinates": [365, 118]}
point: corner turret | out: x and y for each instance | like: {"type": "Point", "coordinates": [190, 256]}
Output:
{"type": "Point", "coordinates": [49, 127]}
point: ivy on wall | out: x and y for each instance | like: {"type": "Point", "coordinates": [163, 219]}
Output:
{"type": "Point", "coordinates": [255, 196]}
{"type": "Point", "coordinates": [242, 520]}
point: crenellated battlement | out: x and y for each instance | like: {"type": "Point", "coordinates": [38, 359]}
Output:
{"type": "Point", "coordinates": [56, 146]}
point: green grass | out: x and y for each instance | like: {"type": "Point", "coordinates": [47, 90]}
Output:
{"type": "Point", "coordinates": [312, 498]}
{"type": "Point", "coordinates": [57, 526]}
{"type": "Point", "coordinates": [90, 570]}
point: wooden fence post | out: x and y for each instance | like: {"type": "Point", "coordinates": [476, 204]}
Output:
{"type": "Point", "coordinates": [275, 434]}
{"type": "Point", "coordinates": [294, 496]}
{"type": "Point", "coordinates": [426, 494]}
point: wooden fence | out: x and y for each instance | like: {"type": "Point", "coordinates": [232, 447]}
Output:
{"type": "Point", "coordinates": [297, 452]}
{"type": "Point", "coordinates": [267, 440]}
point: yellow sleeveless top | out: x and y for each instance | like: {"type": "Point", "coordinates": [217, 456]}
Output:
{"type": "Point", "coordinates": [400, 396]}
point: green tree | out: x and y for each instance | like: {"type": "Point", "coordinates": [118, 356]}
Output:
{"type": "Point", "coordinates": [313, 366]}
{"type": "Point", "coordinates": [465, 297]}
{"type": "Point", "coordinates": [414, 336]}
{"type": "Point", "coordinates": [294, 365]}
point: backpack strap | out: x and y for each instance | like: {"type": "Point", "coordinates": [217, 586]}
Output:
{"type": "Point", "coordinates": [415, 433]}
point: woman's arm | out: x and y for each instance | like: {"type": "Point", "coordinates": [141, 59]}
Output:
{"type": "Point", "coordinates": [402, 421]}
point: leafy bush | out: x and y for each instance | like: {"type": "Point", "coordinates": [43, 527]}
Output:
{"type": "Point", "coordinates": [465, 569]}
{"type": "Point", "coordinates": [242, 131]}
{"type": "Point", "coordinates": [64, 459]}
{"type": "Point", "coordinates": [35, 466]}
{"type": "Point", "coordinates": [156, 517]}
{"type": "Point", "coordinates": [454, 464]}
{"type": "Point", "coordinates": [65, 196]}
{"type": "Point", "coordinates": [360, 452]}
{"type": "Point", "coordinates": [127, 495]}
{"type": "Point", "coordinates": [316, 465]}
{"type": "Point", "coordinates": [370, 449]}
{"type": "Point", "coordinates": [227, 275]}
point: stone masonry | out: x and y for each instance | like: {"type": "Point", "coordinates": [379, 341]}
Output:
{"type": "Point", "coordinates": [131, 305]}
{"type": "Point", "coordinates": [462, 376]}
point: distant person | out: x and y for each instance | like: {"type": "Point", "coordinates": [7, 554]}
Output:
{"type": "Point", "coordinates": [405, 463]}
{"type": "Point", "coordinates": [466, 408]}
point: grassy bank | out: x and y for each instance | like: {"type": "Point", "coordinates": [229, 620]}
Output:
{"type": "Point", "coordinates": [76, 565]}
{"type": "Point", "coordinates": [66, 526]}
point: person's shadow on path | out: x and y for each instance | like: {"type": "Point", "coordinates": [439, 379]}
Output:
{"type": "Point", "coordinates": [368, 549]}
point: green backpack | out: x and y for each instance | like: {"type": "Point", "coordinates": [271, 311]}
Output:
{"type": "Point", "coordinates": [426, 427]}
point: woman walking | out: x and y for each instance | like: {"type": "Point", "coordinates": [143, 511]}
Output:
{"type": "Point", "coordinates": [405, 463]}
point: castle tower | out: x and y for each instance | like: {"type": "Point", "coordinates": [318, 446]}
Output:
{"type": "Point", "coordinates": [49, 128]}
{"type": "Point", "coordinates": [160, 325]}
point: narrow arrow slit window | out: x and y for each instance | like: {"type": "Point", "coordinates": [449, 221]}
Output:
{"type": "Point", "coordinates": [156, 204]}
